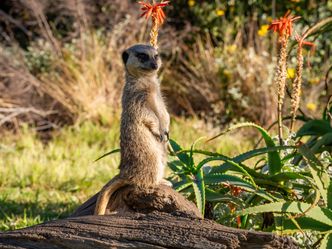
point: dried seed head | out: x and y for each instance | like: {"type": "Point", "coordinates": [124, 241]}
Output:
{"type": "Point", "coordinates": [280, 78]}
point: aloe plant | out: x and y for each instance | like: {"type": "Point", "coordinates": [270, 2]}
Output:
{"type": "Point", "coordinates": [297, 196]}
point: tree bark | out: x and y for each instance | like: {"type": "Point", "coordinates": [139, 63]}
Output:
{"type": "Point", "coordinates": [154, 218]}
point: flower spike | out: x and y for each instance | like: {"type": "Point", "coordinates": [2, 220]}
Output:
{"type": "Point", "coordinates": [297, 84]}
{"type": "Point", "coordinates": [284, 27]}
{"type": "Point", "coordinates": [155, 11]}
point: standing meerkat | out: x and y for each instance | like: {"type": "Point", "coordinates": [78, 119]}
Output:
{"type": "Point", "coordinates": [144, 126]}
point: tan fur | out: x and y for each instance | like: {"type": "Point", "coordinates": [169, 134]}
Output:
{"type": "Point", "coordinates": [144, 125]}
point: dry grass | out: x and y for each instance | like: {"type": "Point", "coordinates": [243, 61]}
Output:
{"type": "Point", "coordinates": [64, 78]}
{"type": "Point", "coordinates": [88, 84]}
{"type": "Point", "coordinates": [74, 78]}
{"type": "Point", "coordinates": [79, 79]}
{"type": "Point", "coordinates": [213, 83]}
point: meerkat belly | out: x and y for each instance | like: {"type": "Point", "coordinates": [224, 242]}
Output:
{"type": "Point", "coordinates": [156, 156]}
{"type": "Point", "coordinates": [162, 146]}
{"type": "Point", "coordinates": [142, 159]}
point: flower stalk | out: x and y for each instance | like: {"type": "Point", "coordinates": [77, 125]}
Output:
{"type": "Point", "coordinates": [280, 80]}
{"type": "Point", "coordinates": [284, 27]}
{"type": "Point", "coordinates": [154, 32]}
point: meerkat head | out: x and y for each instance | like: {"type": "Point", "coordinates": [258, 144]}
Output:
{"type": "Point", "coordinates": [141, 60]}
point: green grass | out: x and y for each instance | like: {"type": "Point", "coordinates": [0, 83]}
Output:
{"type": "Point", "coordinates": [40, 182]}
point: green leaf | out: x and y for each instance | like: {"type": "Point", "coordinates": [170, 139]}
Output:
{"type": "Point", "coordinates": [315, 127]}
{"type": "Point", "coordinates": [248, 155]}
{"type": "Point", "coordinates": [317, 213]}
{"type": "Point", "coordinates": [238, 182]}
{"type": "Point", "coordinates": [183, 157]}
{"type": "Point", "coordinates": [107, 154]}
{"type": "Point", "coordinates": [191, 154]}
{"type": "Point", "coordinates": [274, 160]}
{"type": "Point", "coordinates": [288, 157]}
{"type": "Point", "coordinates": [239, 168]}
{"type": "Point", "coordinates": [199, 190]}
{"type": "Point", "coordinates": [326, 243]}
{"type": "Point", "coordinates": [176, 166]}
{"type": "Point", "coordinates": [287, 176]}
{"type": "Point", "coordinates": [317, 170]}
{"type": "Point", "coordinates": [306, 224]}
{"type": "Point", "coordinates": [180, 186]}
{"type": "Point", "coordinates": [323, 141]}
{"type": "Point", "coordinates": [233, 180]}
{"type": "Point", "coordinates": [329, 196]}
{"type": "Point", "coordinates": [213, 196]}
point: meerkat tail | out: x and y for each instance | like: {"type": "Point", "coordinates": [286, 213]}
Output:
{"type": "Point", "coordinates": [106, 192]}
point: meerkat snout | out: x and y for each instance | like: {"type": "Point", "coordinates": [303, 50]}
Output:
{"type": "Point", "coordinates": [141, 60]}
{"type": "Point", "coordinates": [154, 65]}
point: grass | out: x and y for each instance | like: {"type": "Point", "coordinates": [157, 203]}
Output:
{"type": "Point", "coordinates": [41, 182]}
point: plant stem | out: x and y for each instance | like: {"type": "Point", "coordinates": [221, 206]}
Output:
{"type": "Point", "coordinates": [280, 123]}
{"type": "Point", "coordinates": [154, 32]}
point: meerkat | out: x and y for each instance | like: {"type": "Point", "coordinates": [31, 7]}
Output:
{"type": "Point", "coordinates": [144, 125]}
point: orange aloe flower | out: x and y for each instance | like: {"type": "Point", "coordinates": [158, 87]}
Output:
{"type": "Point", "coordinates": [155, 10]}
{"type": "Point", "coordinates": [284, 25]}
{"type": "Point", "coordinates": [235, 191]}
{"type": "Point", "coordinates": [302, 42]}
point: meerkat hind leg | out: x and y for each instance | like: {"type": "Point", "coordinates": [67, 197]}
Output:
{"type": "Point", "coordinates": [106, 193]}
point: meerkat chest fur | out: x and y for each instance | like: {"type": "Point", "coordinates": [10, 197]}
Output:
{"type": "Point", "coordinates": [144, 126]}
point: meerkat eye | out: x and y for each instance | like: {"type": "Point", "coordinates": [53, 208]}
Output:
{"type": "Point", "coordinates": [142, 57]}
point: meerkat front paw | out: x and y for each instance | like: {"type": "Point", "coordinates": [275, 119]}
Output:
{"type": "Point", "coordinates": [166, 135]}
{"type": "Point", "coordinates": [165, 182]}
{"type": "Point", "coordinates": [163, 137]}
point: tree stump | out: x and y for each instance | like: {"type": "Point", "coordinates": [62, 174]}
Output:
{"type": "Point", "coordinates": [149, 218]}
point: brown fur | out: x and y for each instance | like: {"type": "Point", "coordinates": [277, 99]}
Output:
{"type": "Point", "coordinates": [144, 127]}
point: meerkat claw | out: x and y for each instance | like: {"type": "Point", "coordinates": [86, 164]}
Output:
{"type": "Point", "coordinates": [167, 136]}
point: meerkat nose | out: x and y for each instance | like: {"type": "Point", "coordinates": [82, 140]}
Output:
{"type": "Point", "coordinates": [154, 65]}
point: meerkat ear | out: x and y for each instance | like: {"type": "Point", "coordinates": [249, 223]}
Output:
{"type": "Point", "coordinates": [125, 57]}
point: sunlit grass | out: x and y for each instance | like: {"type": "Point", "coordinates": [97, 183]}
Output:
{"type": "Point", "coordinates": [40, 182]}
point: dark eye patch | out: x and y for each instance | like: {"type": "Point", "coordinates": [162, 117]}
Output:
{"type": "Point", "coordinates": [142, 57]}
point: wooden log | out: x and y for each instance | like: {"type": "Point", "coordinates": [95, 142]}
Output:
{"type": "Point", "coordinates": [154, 218]}
{"type": "Point", "coordinates": [135, 230]}
{"type": "Point", "coordinates": [143, 200]}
